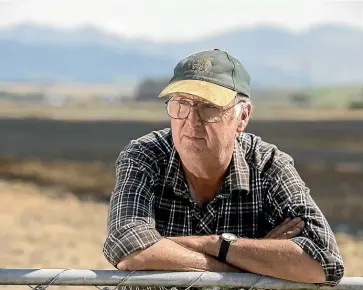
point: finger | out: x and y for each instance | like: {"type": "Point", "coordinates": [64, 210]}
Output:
{"type": "Point", "coordinates": [291, 225]}
{"type": "Point", "coordinates": [271, 233]}
{"type": "Point", "coordinates": [285, 227]}
{"type": "Point", "coordinates": [296, 222]}
{"type": "Point", "coordinates": [275, 232]}
{"type": "Point", "coordinates": [286, 220]}
{"type": "Point", "coordinates": [301, 225]}
{"type": "Point", "coordinates": [291, 234]}
{"type": "Point", "coordinates": [295, 231]}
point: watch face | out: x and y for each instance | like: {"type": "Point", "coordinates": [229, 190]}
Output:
{"type": "Point", "coordinates": [229, 237]}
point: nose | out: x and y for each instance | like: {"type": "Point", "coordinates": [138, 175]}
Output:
{"type": "Point", "coordinates": [194, 116]}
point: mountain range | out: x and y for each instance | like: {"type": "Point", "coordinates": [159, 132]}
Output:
{"type": "Point", "coordinates": [328, 54]}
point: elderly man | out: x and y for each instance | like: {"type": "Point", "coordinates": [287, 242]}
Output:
{"type": "Point", "coordinates": [204, 195]}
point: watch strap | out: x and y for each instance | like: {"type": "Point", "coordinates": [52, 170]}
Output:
{"type": "Point", "coordinates": [223, 250]}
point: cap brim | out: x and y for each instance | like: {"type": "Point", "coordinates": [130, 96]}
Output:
{"type": "Point", "coordinates": [213, 93]}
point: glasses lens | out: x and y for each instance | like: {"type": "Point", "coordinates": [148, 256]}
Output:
{"type": "Point", "coordinates": [209, 113]}
{"type": "Point", "coordinates": [178, 109]}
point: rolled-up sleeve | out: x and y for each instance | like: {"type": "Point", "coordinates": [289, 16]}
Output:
{"type": "Point", "coordinates": [290, 197]}
{"type": "Point", "coordinates": [131, 222]}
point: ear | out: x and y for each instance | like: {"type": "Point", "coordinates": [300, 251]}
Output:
{"type": "Point", "coordinates": [241, 126]}
{"type": "Point", "coordinates": [242, 121]}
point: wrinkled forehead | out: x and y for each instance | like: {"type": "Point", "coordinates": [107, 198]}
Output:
{"type": "Point", "coordinates": [179, 96]}
{"type": "Point", "coordinates": [193, 98]}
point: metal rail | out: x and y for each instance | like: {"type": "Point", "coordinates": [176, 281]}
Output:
{"type": "Point", "coordinates": [88, 277]}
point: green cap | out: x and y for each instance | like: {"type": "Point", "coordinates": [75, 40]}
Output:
{"type": "Point", "coordinates": [214, 75]}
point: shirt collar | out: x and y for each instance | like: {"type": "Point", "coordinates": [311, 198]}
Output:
{"type": "Point", "coordinates": [238, 173]}
{"type": "Point", "coordinates": [175, 175]}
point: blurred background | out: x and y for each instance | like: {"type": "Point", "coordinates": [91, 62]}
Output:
{"type": "Point", "coordinates": [79, 80]}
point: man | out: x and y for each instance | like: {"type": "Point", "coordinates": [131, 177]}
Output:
{"type": "Point", "coordinates": [205, 195]}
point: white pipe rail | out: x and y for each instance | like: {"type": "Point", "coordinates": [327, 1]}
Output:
{"type": "Point", "coordinates": [73, 277]}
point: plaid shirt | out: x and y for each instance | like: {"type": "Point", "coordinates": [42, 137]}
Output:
{"type": "Point", "coordinates": [262, 187]}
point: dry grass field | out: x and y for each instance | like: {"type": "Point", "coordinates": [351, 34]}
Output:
{"type": "Point", "coordinates": [41, 231]}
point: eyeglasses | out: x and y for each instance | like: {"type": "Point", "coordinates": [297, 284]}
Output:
{"type": "Point", "coordinates": [180, 109]}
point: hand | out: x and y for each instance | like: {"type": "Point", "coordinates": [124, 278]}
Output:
{"type": "Point", "coordinates": [288, 229]}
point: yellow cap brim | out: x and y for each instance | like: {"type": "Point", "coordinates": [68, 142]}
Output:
{"type": "Point", "coordinates": [213, 93]}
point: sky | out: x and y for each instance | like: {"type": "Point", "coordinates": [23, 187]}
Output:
{"type": "Point", "coordinates": [162, 20]}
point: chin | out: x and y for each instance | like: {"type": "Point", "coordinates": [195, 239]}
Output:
{"type": "Point", "coordinates": [192, 148]}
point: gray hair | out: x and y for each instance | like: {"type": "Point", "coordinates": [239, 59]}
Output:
{"type": "Point", "coordinates": [243, 101]}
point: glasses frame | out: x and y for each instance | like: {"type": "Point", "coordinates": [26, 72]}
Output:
{"type": "Point", "coordinates": [194, 104]}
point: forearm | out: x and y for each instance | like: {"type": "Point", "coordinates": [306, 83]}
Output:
{"type": "Point", "coordinates": [277, 258]}
{"type": "Point", "coordinates": [170, 256]}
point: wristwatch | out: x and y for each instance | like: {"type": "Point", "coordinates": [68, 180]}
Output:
{"type": "Point", "coordinates": [226, 240]}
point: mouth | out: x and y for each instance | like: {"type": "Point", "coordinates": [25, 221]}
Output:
{"type": "Point", "coordinates": [193, 137]}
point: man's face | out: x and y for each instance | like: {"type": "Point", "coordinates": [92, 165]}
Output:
{"type": "Point", "coordinates": [194, 138]}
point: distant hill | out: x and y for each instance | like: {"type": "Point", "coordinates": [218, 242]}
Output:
{"type": "Point", "coordinates": [324, 55]}
{"type": "Point", "coordinates": [84, 63]}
